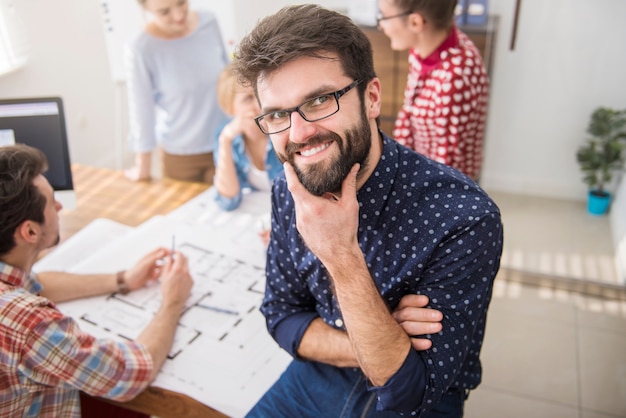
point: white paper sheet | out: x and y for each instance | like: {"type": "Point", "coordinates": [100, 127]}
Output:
{"type": "Point", "coordinates": [86, 242]}
{"type": "Point", "coordinates": [223, 355]}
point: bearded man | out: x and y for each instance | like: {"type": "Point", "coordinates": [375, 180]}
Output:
{"type": "Point", "coordinates": [361, 226]}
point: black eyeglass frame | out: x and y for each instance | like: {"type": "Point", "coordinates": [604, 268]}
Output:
{"type": "Point", "coordinates": [380, 17]}
{"type": "Point", "coordinates": [336, 94]}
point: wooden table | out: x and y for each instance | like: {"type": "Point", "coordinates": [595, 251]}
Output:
{"type": "Point", "coordinates": [102, 193]}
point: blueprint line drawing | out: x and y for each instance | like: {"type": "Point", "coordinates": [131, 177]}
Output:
{"type": "Point", "coordinates": [222, 295]}
{"type": "Point", "coordinates": [222, 354]}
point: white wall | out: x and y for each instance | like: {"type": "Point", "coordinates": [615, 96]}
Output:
{"type": "Point", "coordinates": [568, 60]}
{"type": "Point", "coordinates": [618, 224]}
{"type": "Point", "coordinates": [68, 59]}
{"type": "Point", "coordinates": [250, 11]}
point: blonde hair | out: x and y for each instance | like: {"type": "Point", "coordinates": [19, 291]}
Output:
{"type": "Point", "coordinates": [226, 89]}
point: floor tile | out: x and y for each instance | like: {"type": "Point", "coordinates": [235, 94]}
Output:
{"type": "Point", "coordinates": [531, 356]}
{"type": "Point", "coordinates": [487, 402]}
{"type": "Point", "coordinates": [602, 314]}
{"type": "Point", "coordinates": [536, 302]}
{"type": "Point", "coordinates": [551, 349]}
{"type": "Point", "coordinates": [602, 364]}
{"type": "Point", "coordinates": [595, 414]}
{"type": "Point", "coordinates": [556, 237]}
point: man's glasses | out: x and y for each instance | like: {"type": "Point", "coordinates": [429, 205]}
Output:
{"type": "Point", "coordinates": [380, 17]}
{"type": "Point", "coordinates": [312, 110]}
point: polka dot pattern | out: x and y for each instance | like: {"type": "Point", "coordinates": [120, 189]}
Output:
{"type": "Point", "coordinates": [445, 105]}
{"type": "Point", "coordinates": [424, 228]}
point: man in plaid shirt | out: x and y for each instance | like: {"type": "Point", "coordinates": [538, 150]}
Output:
{"type": "Point", "coordinates": [45, 358]}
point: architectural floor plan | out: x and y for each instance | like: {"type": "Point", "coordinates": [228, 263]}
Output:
{"type": "Point", "coordinates": [223, 355]}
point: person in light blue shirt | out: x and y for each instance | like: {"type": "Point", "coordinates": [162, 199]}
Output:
{"type": "Point", "coordinates": [244, 156]}
{"type": "Point", "coordinates": [172, 70]}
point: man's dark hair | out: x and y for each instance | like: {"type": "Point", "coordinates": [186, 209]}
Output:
{"type": "Point", "coordinates": [304, 31]}
{"type": "Point", "coordinates": [440, 13]}
{"type": "Point", "coordinates": [20, 199]}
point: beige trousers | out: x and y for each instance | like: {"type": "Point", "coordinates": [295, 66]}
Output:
{"type": "Point", "coordinates": [195, 167]}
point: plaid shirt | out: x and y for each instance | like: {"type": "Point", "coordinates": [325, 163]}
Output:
{"type": "Point", "coordinates": [45, 359]}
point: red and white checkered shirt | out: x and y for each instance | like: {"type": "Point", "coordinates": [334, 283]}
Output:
{"type": "Point", "coordinates": [45, 359]}
{"type": "Point", "coordinates": [445, 105]}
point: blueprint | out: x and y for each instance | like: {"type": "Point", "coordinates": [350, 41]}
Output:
{"type": "Point", "coordinates": [222, 355]}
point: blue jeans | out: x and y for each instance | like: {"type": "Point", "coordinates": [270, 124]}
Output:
{"type": "Point", "coordinates": [316, 390]}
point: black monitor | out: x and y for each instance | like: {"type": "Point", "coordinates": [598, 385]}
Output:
{"type": "Point", "coordinates": [40, 123]}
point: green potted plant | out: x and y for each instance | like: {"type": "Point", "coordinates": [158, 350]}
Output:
{"type": "Point", "coordinates": [602, 155]}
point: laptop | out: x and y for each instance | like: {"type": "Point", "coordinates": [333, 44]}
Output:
{"type": "Point", "coordinates": [40, 123]}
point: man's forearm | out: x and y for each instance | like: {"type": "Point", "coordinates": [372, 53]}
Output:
{"type": "Point", "coordinates": [325, 344]}
{"type": "Point", "coordinates": [226, 181]}
{"type": "Point", "coordinates": [379, 343]}
{"type": "Point", "coordinates": [158, 336]}
{"type": "Point", "coordinates": [60, 286]}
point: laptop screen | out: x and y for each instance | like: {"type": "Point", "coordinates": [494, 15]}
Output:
{"type": "Point", "coordinates": [40, 123]}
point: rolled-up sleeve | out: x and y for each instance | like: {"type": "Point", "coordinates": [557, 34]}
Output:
{"type": "Point", "coordinates": [406, 387]}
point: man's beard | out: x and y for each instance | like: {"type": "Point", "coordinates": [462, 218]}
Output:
{"type": "Point", "coordinates": [327, 176]}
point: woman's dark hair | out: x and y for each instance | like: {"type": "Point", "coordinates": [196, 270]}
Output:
{"type": "Point", "coordinates": [440, 13]}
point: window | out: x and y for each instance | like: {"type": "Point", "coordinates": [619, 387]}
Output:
{"type": "Point", "coordinates": [13, 42]}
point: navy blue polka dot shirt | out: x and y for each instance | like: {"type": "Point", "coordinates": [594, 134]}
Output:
{"type": "Point", "coordinates": [424, 228]}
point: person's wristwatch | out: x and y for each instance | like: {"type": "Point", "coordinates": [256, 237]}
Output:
{"type": "Point", "coordinates": [122, 287]}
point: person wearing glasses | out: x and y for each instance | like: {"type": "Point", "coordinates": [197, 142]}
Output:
{"type": "Point", "coordinates": [364, 231]}
{"type": "Point", "coordinates": [244, 156]}
{"type": "Point", "coordinates": [445, 100]}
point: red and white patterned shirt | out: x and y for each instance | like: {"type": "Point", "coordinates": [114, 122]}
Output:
{"type": "Point", "coordinates": [445, 105]}
{"type": "Point", "coordinates": [45, 359]}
